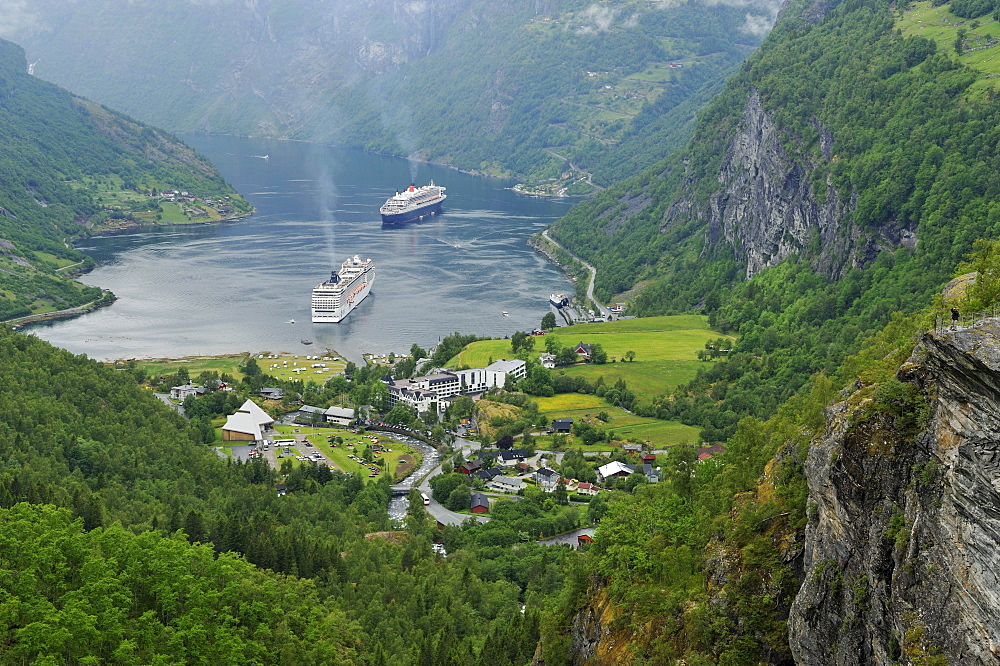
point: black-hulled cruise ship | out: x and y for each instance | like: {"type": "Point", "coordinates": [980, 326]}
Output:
{"type": "Point", "coordinates": [413, 204]}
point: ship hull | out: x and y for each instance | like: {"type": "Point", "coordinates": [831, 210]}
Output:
{"type": "Point", "coordinates": [411, 215]}
{"type": "Point", "coordinates": [356, 292]}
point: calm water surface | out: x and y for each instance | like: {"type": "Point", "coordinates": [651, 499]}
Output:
{"type": "Point", "coordinates": [213, 289]}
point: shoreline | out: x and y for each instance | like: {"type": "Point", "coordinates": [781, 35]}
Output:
{"type": "Point", "coordinates": [20, 322]}
{"type": "Point", "coordinates": [82, 268]}
{"type": "Point", "coordinates": [139, 226]}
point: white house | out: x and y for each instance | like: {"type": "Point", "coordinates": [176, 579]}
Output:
{"type": "Point", "coordinates": [612, 469]}
{"type": "Point", "coordinates": [181, 392]}
{"type": "Point", "coordinates": [548, 360]}
{"type": "Point", "coordinates": [505, 484]}
{"type": "Point", "coordinates": [340, 415]}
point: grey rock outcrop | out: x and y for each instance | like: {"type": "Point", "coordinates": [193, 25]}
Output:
{"type": "Point", "coordinates": [903, 545]}
{"type": "Point", "coordinates": [766, 209]}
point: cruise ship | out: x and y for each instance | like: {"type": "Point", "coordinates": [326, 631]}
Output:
{"type": "Point", "coordinates": [334, 299]}
{"type": "Point", "coordinates": [413, 204]}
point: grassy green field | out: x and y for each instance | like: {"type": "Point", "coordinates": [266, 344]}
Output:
{"type": "Point", "coordinates": [677, 337]}
{"type": "Point", "coordinates": [665, 351]}
{"type": "Point", "coordinates": [353, 444]}
{"type": "Point", "coordinates": [626, 426]}
{"type": "Point", "coordinates": [196, 365]}
{"type": "Point", "coordinates": [645, 379]}
{"type": "Point", "coordinates": [282, 365]}
{"type": "Point", "coordinates": [941, 26]}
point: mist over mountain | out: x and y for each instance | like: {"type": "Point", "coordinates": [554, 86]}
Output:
{"type": "Point", "coordinates": [485, 86]}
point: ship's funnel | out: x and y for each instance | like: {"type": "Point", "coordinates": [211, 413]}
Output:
{"type": "Point", "coordinates": [413, 188]}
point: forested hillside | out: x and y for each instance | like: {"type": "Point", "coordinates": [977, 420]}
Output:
{"type": "Point", "coordinates": [132, 472]}
{"type": "Point", "coordinates": [501, 87]}
{"type": "Point", "coordinates": [59, 155]}
{"type": "Point", "coordinates": [837, 179]}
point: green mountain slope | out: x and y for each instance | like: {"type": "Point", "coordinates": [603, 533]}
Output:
{"type": "Point", "coordinates": [837, 179]}
{"type": "Point", "coordinates": [131, 472]}
{"type": "Point", "coordinates": [501, 87]}
{"type": "Point", "coordinates": [68, 167]}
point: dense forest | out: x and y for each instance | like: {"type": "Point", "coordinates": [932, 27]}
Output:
{"type": "Point", "coordinates": [501, 87]}
{"type": "Point", "coordinates": [55, 149]}
{"type": "Point", "coordinates": [129, 475]}
{"type": "Point", "coordinates": [885, 125]}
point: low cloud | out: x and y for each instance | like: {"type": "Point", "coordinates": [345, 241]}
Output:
{"type": "Point", "coordinates": [416, 7]}
{"type": "Point", "coordinates": [758, 25]}
{"type": "Point", "coordinates": [15, 18]}
{"type": "Point", "coordinates": [596, 19]}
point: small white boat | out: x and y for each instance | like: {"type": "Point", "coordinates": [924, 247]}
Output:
{"type": "Point", "coordinates": [505, 313]}
{"type": "Point", "coordinates": [291, 321]}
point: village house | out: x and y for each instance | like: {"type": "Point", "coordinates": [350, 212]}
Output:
{"type": "Point", "coordinates": [547, 479]}
{"type": "Point", "coordinates": [707, 452]}
{"type": "Point", "coordinates": [183, 391]}
{"type": "Point", "coordinates": [612, 470]}
{"type": "Point", "coordinates": [562, 425]}
{"type": "Point", "coordinates": [511, 458]}
{"type": "Point", "coordinates": [488, 475]}
{"type": "Point", "coordinates": [587, 489]}
{"type": "Point", "coordinates": [310, 415]}
{"type": "Point", "coordinates": [339, 415]}
{"type": "Point", "coordinates": [480, 503]}
{"type": "Point", "coordinates": [470, 467]}
{"type": "Point", "coordinates": [272, 393]}
{"type": "Point", "coordinates": [506, 484]}
{"type": "Point", "coordinates": [547, 360]}
{"type": "Point", "coordinates": [632, 448]}
{"type": "Point", "coordinates": [583, 351]}
{"type": "Point", "coordinates": [652, 473]}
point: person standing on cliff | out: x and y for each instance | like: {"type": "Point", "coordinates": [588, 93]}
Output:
{"type": "Point", "coordinates": [954, 318]}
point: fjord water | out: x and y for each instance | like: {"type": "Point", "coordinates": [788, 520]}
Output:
{"type": "Point", "coordinates": [231, 287]}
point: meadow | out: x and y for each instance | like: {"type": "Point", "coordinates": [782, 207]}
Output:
{"type": "Point", "coordinates": [625, 425]}
{"type": "Point", "coordinates": [941, 26]}
{"type": "Point", "coordinates": [665, 351]}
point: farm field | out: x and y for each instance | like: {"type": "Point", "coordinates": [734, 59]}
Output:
{"type": "Point", "coordinates": [579, 406]}
{"type": "Point", "coordinates": [665, 351]}
{"type": "Point", "coordinates": [645, 379]}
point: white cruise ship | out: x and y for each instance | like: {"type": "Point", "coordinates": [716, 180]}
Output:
{"type": "Point", "coordinates": [334, 299]}
{"type": "Point", "coordinates": [414, 203]}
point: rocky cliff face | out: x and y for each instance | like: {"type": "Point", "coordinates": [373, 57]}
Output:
{"type": "Point", "coordinates": [766, 209]}
{"type": "Point", "coordinates": [904, 534]}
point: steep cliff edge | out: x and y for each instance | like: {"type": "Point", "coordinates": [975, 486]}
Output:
{"type": "Point", "coordinates": [766, 208]}
{"type": "Point", "coordinates": [904, 530]}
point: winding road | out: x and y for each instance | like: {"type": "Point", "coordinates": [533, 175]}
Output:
{"type": "Point", "coordinates": [593, 275]}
